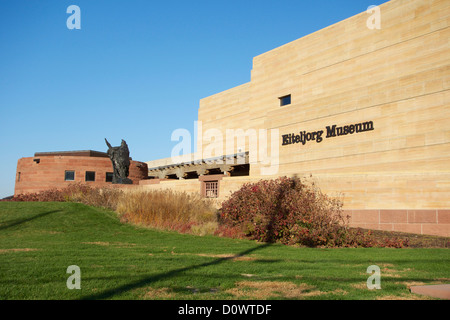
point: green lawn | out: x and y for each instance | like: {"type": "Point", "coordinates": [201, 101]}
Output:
{"type": "Point", "coordinates": [38, 241]}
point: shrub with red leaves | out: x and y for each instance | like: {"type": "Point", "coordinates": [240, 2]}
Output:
{"type": "Point", "coordinates": [76, 192]}
{"type": "Point", "coordinates": [289, 211]}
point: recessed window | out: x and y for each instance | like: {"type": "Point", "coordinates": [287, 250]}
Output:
{"type": "Point", "coordinates": [286, 100]}
{"type": "Point", "coordinates": [212, 189]}
{"type": "Point", "coordinates": [69, 176]}
{"type": "Point", "coordinates": [90, 176]}
{"type": "Point", "coordinates": [109, 177]}
{"type": "Point", "coordinates": [18, 176]}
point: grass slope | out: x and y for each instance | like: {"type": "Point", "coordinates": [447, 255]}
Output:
{"type": "Point", "coordinates": [38, 241]}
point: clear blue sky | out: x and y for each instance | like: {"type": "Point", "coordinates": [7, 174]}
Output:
{"type": "Point", "coordinates": [136, 70]}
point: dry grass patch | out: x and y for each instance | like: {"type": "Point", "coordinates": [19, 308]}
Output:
{"type": "Point", "coordinates": [116, 244]}
{"type": "Point", "coordinates": [389, 273]}
{"type": "Point", "coordinates": [404, 297]}
{"type": "Point", "coordinates": [410, 284]}
{"type": "Point", "coordinates": [248, 275]}
{"type": "Point", "coordinates": [386, 270]}
{"type": "Point", "coordinates": [99, 243]}
{"type": "Point", "coordinates": [359, 285]}
{"type": "Point", "coordinates": [354, 265]}
{"type": "Point", "coordinates": [166, 209]}
{"type": "Point", "coordinates": [261, 290]}
{"type": "Point", "coordinates": [17, 250]}
{"type": "Point", "coordinates": [338, 291]}
{"type": "Point", "coordinates": [160, 293]}
{"type": "Point", "coordinates": [204, 229]}
{"type": "Point", "coordinates": [227, 257]}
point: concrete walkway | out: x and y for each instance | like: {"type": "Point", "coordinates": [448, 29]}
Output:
{"type": "Point", "coordinates": [441, 291]}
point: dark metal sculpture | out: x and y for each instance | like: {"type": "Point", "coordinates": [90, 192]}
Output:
{"type": "Point", "coordinates": [120, 158]}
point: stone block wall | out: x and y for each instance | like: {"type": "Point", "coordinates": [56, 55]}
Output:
{"type": "Point", "coordinates": [35, 174]}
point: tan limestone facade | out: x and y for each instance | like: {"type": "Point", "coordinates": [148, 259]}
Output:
{"type": "Point", "coordinates": [367, 115]}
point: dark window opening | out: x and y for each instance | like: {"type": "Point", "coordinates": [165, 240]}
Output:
{"type": "Point", "coordinates": [191, 175]}
{"type": "Point", "coordinates": [214, 171]}
{"type": "Point", "coordinates": [286, 100]}
{"type": "Point", "coordinates": [241, 170]}
{"type": "Point", "coordinates": [18, 177]}
{"type": "Point", "coordinates": [90, 176]}
{"type": "Point", "coordinates": [69, 176]}
{"type": "Point", "coordinates": [109, 176]}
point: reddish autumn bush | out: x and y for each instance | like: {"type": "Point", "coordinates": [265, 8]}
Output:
{"type": "Point", "coordinates": [76, 192]}
{"type": "Point", "coordinates": [44, 196]}
{"type": "Point", "coordinates": [290, 211]}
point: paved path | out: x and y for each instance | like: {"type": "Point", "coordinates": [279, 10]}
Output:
{"type": "Point", "coordinates": [441, 291]}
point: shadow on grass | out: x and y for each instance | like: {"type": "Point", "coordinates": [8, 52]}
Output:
{"type": "Point", "coordinates": [144, 282]}
{"type": "Point", "coordinates": [17, 222]}
{"type": "Point", "coordinates": [270, 239]}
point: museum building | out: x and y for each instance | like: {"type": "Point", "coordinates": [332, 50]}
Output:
{"type": "Point", "coordinates": [363, 110]}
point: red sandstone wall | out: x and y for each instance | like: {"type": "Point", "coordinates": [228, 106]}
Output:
{"type": "Point", "coordinates": [50, 171]}
{"type": "Point", "coordinates": [433, 222]}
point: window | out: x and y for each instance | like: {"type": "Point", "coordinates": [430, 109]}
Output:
{"type": "Point", "coordinates": [69, 176]}
{"type": "Point", "coordinates": [18, 177]}
{"type": "Point", "coordinates": [90, 176]}
{"type": "Point", "coordinates": [212, 189]}
{"type": "Point", "coordinates": [109, 177]}
{"type": "Point", "coordinates": [284, 101]}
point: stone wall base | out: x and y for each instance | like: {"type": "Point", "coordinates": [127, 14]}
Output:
{"type": "Point", "coordinates": [431, 222]}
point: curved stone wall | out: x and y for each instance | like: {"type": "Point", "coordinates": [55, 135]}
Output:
{"type": "Point", "coordinates": [39, 173]}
